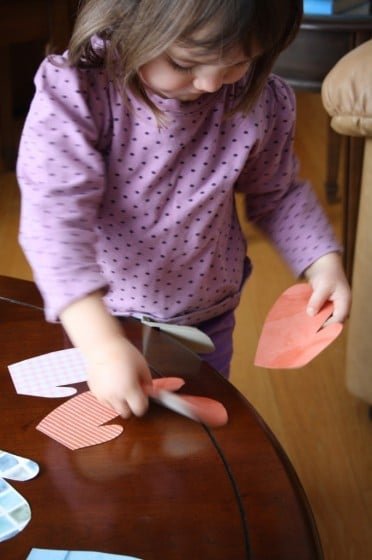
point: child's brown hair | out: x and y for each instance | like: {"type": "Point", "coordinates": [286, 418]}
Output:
{"type": "Point", "coordinates": [133, 32]}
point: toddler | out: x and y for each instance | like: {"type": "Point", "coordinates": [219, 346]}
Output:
{"type": "Point", "coordinates": [136, 141]}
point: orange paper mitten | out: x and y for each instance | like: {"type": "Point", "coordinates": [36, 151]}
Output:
{"type": "Point", "coordinates": [290, 337]}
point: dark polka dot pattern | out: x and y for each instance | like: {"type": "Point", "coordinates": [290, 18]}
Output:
{"type": "Point", "coordinates": [110, 200]}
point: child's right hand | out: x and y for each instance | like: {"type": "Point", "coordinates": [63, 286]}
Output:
{"type": "Point", "coordinates": [117, 376]}
{"type": "Point", "coordinates": [117, 372]}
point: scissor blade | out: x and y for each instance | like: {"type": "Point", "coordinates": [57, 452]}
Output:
{"type": "Point", "coordinates": [175, 403]}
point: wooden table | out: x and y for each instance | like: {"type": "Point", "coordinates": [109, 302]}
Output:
{"type": "Point", "coordinates": [168, 488]}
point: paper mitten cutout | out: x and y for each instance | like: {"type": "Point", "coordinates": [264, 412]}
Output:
{"type": "Point", "coordinates": [168, 383]}
{"type": "Point", "coordinates": [200, 409]}
{"type": "Point", "coordinates": [78, 422]}
{"type": "Point", "coordinates": [46, 554]}
{"type": "Point", "coordinates": [14, 467]}
{"type": "Point", "coordinates": [290, 338]}
{"type": "Point", "coordinates": [206, 410]}
{"type": "Point", "coordinates": [46, 375]}
{"type": "Point", "coordinates": [15, 512]}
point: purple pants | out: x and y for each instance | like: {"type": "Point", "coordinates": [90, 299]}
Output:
{"type": "Point", "coordinates": [220, 330]}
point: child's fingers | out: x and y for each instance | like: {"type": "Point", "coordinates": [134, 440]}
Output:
{"type": "Point", "coordinates": [121, 407]}
{"type": "Point", "coordinates": [316, 301]}
{"type": "Point", "coordinates": [340, 311]}
{"type": "Point", "coordinates": [341, 305]}
{"type": "Point", "coordinates": [138, 404]}
{"type": "Point", "coordinates": [131, 400]}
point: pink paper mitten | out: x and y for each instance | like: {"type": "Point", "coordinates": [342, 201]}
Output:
{"type": "Point", "coordinates": [78, 422]}
{"type": "Point", "coordinates": [206, 410]}
{"type": "Point", "coordinates": [290, 338]}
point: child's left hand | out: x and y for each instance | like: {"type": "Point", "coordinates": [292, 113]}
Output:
{"type": "Point", "coordinates": [327, 278]}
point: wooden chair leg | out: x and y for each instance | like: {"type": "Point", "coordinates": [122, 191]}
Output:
{"type": "Point", "coordinates": [333, 166]}
{"type": "Point", "coordinates": [351, 195]}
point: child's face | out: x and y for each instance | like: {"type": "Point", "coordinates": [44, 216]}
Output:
{"type": "Point", "coordinates": [180, 73]}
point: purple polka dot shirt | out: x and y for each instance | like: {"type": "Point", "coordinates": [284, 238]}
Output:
{"type": "Point", "coordinates": [112, 201]}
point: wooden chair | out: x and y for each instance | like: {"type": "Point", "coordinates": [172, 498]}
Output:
{"type": "Point", "coordinates": [346, 95]}
{"type": "Point", "coordinates": [320, 43]}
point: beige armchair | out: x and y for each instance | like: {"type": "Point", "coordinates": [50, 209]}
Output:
{"type": "Point", "coordinates": [347, 97]}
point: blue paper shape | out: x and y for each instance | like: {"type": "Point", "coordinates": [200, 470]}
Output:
{"type": "Point", "coordinates": [15, 512]}
{"type": "Point", "coordinates": [46, 554]}
{"type": "Point", "coordinates": [14, 467]}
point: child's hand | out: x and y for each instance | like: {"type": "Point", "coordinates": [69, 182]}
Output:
{"type": "Point", "coordinates": [117, 371]}
{"type": "Point", "coordinates": [117, 375]}
{"type": "Point", "coordinates": [327, 278]}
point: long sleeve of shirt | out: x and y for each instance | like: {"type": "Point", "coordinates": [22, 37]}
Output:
{"type": "Point", "coordinates": [283, 206]}
{"type": "Point", "coordinates": [61, 190]}
{"type": "Point", "coordinates": [112, 201]}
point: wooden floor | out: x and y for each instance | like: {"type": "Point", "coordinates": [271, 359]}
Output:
{"type": "Point", "coordinates": [324, 430]}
